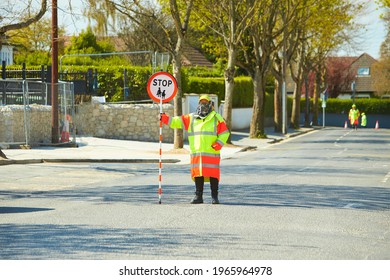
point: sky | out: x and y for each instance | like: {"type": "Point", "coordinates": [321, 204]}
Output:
{"type": "Point", "coordinates": [368, 39]}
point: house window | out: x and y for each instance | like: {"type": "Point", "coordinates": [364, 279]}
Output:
{"type": "Point", "coordinates": [363, 71]}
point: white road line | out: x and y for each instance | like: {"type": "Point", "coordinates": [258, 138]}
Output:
{"type": "Point", "coordinates": [341, 137]}
{"type": "Point", "coordinates": [387, 177]}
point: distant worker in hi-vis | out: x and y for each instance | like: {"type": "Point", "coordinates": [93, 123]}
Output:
{"type": "Point", "coordinates": [353, 117]}
{"type": "Point", "coordinates": [364, 120]}
{"type": "Point", "coordinates": [207, 133]}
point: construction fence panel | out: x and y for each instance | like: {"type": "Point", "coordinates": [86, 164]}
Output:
{"type": "Point", "coordinates": [66, 114]}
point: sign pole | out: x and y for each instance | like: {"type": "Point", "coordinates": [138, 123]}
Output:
{"type": "Point", "coordinates": [162, 88]}
{"type": "Point", "coordinates": [160, 159]}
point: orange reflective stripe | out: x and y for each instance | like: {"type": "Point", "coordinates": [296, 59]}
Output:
{"type": "Point", "coordinates": [186, 119]}
{"type": "Point", "coordinates": [222, 128]}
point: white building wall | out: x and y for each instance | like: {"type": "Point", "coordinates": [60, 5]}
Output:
{"type": "Point", "coordinates": [7, 54]}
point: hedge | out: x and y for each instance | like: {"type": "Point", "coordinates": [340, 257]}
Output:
{"type": "Point", "coordinates": [342, 106]}
{"type": "Point", "coordinates": [110, 80]}
{"type": "Point", "coordinates": [242, 95]}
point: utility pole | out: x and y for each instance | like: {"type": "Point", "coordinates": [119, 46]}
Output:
{"type": "Point", "coordinates": [54, 74]}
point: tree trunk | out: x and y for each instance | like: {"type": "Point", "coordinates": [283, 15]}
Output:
{"type": "Point", "coordinates": [296, 107]}
{"type": "Point", "coordinates": [315, 98]}
{"type": "Point", "coordinates": [307, 107]}
{"type": "Point", "coordinates": [278, 105]}
{"type": "Point", "coordinates": [257, 123]}
{"type": "Point", "coordinates": [229, 87]}
{"type": "Point", "coordinates": [178, 142]}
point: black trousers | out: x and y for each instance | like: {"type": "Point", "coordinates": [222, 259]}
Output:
{"type": "Point", "coordinates": [199, 184]}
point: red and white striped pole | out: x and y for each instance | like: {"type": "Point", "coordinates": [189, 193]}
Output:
{"type": "Point", "coordinates": [160, 159]}
{"type": "Point", "coordinates": [161, 85]}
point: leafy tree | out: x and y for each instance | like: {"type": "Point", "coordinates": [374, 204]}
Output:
{"type": "Point", "coordinates": [314, 28]}
{"type": "Point", "coordinates": [381, 76]}
{"type": "Point", "coordinates": [385, 3]}
{"type": "Point", "coordinates": [323, 27]}
{"type": "Point", "coordinates": [34, 43]}
{"type": "Point", "coordinates": [381, 69]}
{"type": "Point", "coordinates": [329, 24]}
{"type": "Point", "coordinates": [87, 43]}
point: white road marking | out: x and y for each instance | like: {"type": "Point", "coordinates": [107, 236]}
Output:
{"type": "Point", "coordinates": [386, 177]}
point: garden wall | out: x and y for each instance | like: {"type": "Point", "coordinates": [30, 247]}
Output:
{"type": "Point", "coordinates": [114, 121]}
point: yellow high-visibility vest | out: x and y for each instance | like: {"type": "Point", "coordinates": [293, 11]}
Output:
{"type": "Point", "coordinates": [202, 134]}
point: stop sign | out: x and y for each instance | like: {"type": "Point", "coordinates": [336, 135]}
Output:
{"type": "Point", "coordinates": [162, 86]}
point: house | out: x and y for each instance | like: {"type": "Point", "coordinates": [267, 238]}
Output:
{"type": "Point", "coordinates": [360, 72]}
{"type": "Point", "coordinates": [7, 54]}
{"type": "Point", "coordinates": [190, 55]}
{"type": "Point", "coordinates": [193, 57]}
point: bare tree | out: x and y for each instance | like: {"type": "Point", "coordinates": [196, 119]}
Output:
{"type": "Point", "coordinates": [229, 19]}
{"type": "Point", "coordinates": [174, 27]}
{"type": "Point", "coordinates": [289, 18]}
{"type": "Point", "coordinates": [11, 19]}
{"type": "Point", "coordinates": [255, 57]}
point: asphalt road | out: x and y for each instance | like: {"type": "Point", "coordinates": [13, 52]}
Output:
{"type": "Point", "coordinates": [323, 195]}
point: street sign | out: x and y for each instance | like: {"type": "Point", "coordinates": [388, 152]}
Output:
{"type": "Point", "coordinates": [162, 87]}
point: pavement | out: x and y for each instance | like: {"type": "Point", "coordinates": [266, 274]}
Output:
{"type": "Point", "coordinates": [93, 149]}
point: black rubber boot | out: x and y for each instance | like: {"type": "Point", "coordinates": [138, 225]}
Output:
{"type": "Point", "coordinates": [214, 190]}
{"type": "Point", "coordinates": [214, 198]}
{"type": "Point", "coordinates": [199, 183]}
{"type": "Point", "coordinates": [198, 199]}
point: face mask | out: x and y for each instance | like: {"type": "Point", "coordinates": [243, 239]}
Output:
{"type": "Point", "coordinates": [203, 109]}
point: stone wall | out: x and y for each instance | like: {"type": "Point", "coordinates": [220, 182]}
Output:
{"type": "Point", "coordinates": [122, 121]}
{"type": "Point", "coordinates": [13, 125]}
{"type": "Point", "coordinates": [114, 121]}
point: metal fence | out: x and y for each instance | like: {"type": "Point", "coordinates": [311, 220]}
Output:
{"type": "Point", "coordinates": [16, 91]}
{"type": "Point", "coordinates": [25, 93]}
{"type": "Point", "coordinates": [66, 107]}
{"type": "Point", "coordinates": [22, 93]}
